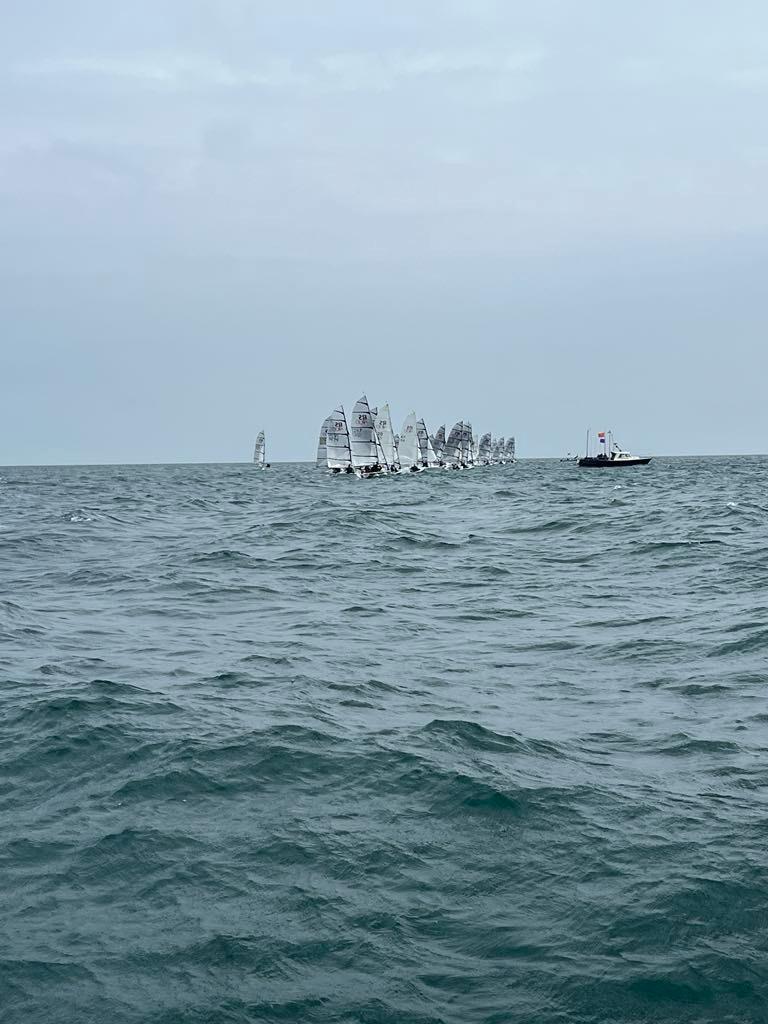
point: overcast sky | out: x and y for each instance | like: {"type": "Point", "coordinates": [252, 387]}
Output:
{"type": "Point", "coordinates": [222, 215]}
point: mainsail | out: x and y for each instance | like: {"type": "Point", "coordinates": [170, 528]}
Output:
{"type": "Point", "coordinates": [438, 441]}
{"type": "Point", "coordinates": [409, 443]}
{"type": "Point", "coordinates": [386, 436]}
{"type": "Point", "coordinates": [337, 440]}
{"type": "Point", "coordinates": [259, 449]}
{"type": "Point", "coordinates": [322, 456]}
{"type": "Point", "coordinates": [510, 449]}
{"type": "Point", "coordinates": [362, 436]}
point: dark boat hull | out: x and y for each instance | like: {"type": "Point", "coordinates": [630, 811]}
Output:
{"type": "Point", "coordinates": [592, 463]}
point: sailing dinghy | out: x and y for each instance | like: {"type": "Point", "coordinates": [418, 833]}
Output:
{"type": "Point", "coordinates": [484, 450]}
{"type": "Point", "coordinates": [429, 459]}
{"type": "Point", "coordinates": [259, 451]}
{"type": "Point", "coordinates": [387, 439]}
{"type": "Point", "coordinates": [452, 450]}
{"type": "Point", "coordinates": [337, 451]}
{"type": "Point", "coordinates": [467, 446]}
{"type": "Point", "coordinates": [438, 444]}
{"type": "Point", "coordinates": [410, 456]}
{"type": "Point", "coordinates": [367, 455]}
{"type": "Point", "coordinates": [322, 444]}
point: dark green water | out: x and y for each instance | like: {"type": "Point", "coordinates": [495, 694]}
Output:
{"type": "Point", "coordinates": [466, 747]}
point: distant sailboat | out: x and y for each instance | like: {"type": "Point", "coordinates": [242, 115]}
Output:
{"type": "Point", "coordinates": [452, 453]}
{"type": "Point", "coordinates": [438, 442]}
{"type": "Point", "coordinates": [367, 456]}
{"type": "Point", "coordinates": [322, 456]}
{"type": "Point", "coordinates": [429, 459]}
{"type": "Point", "coordinates": [410, 456]}
{"type": "Point", "coordinates": [484, 450]}
{"type": "Point", "coordinates": [337, 448]}
{"type": "Point", "coordinates": [509, 450]}
{"type": "Point", "coordinates": [499, 451]}
{"type": "Point", "coordinates": [386, 436]}
{"type": "Point", "coordinates": [467, 446]}
{"type": "Point", "coordinates": [259, 451]}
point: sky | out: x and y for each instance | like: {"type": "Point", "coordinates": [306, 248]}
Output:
{"type": "Point", "coordinates": [225, 215]}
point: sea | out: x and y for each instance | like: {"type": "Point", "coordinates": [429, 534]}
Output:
{"type": "Point", "coordinates": [485, 746]}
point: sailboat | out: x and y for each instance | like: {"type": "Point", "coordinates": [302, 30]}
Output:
{"type": "Point", "coordinates": [322, 444]}
{"type": "Point", "coordinates": [474, 448]}
{"type": "Point", "coordinates": [386, 436]}
{"type": "Point", "coordinates": [509, 449]}
{"type": "Point", "coordinates": [452, 451]}
{"type": "Point", "coordinates": [429, 459]}
{"type": "Point", "coordinates": [259, 451]}
{"type": "Point", "coordinates": [467, 446]}
{"type": "Point", "coordinates": [614, 457]}
{"type": "Point", "coordinates": [367, 456]}
{"type": "Point", "coordinates": [337, 450]}
{"type": "Point", "coordinates": [484, 450]}
{"type": "Point", "coordinates": [438, 443]}
{"type": "Point", "coordinates": [410, 456]}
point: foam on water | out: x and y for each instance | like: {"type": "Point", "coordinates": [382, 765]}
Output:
{"type": "Point", "coordinates": [483, 746]}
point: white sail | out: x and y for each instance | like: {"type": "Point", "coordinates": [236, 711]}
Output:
{"type": "Point", "coordinates": [386, 436]}
{"type": "Point", "coordinates": [362, 436]}
{"type": "Point", "coordinates": [322, 456]}
{"type": "Point", "coordinates": [438, 441]}
{"type": "Point", "coordinates": [500, 449]}
{"type": "Point", "coordinates": [452, 450]}
{"type": "Point", "coordinates": [337, 440]}
{"type": "Point", "coordinates": [409, 443]}
{"type": "Point", "coordinates": [259, 449]}
{"type": "Point", "coordinates": [509, 449]}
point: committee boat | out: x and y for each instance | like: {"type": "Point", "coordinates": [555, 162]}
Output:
{"type": "Point", "coordinates": [612, 456]}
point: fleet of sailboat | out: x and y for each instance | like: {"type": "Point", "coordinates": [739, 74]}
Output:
{"type": "Point", "coordinates": [367, 445]}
